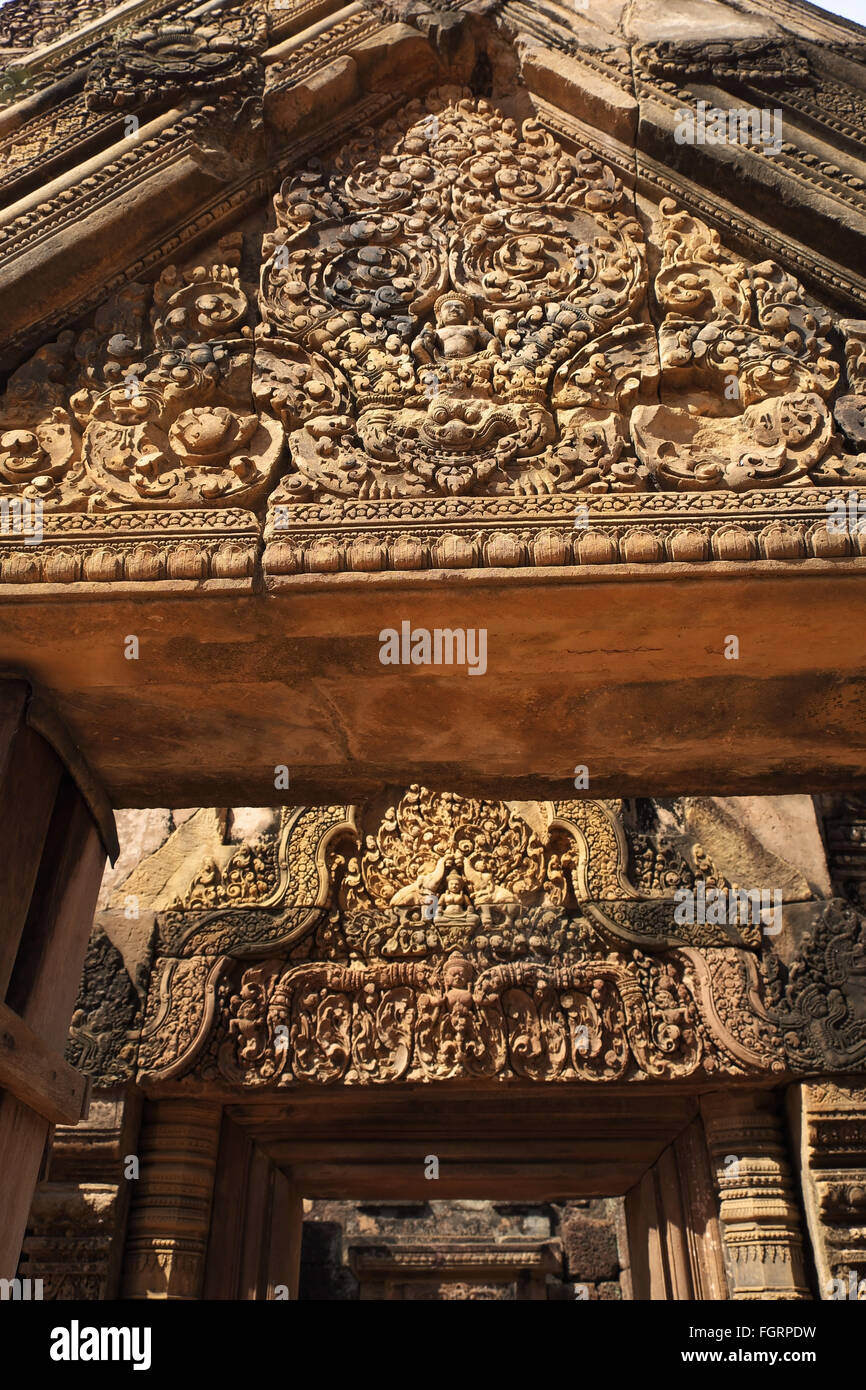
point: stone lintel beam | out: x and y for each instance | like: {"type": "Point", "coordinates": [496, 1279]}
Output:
{"type": "Point", "coordinates": [626, 676]}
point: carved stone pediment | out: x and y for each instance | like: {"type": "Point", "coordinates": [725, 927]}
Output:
{"type": "Point", "coordinates": [465, 349]}
{"type": "Point", "coordinates": [436, 872]}
{"type": "Point", "coordinates": [448, 272]}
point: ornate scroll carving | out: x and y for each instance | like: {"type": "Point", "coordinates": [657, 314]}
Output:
{"type": "Point", "coordinates": [412, 1022]}
{"type": "Point", "coordinates": [445, 936]}
{"type": "Point", "coordinates": [454, 333]}
{"type": "Point", "coordinates": [177, 58]}
{"type": "Point", "coordinates": [449, 321]}
{"type": "Point", "coordinates": [436, 290]}
{"type": "Point", "coordinates": [163, 415]}
{"type": "Point", "coordinates": [482, 333]}
{"type": "Point", "coordinates": [270, 893]}
{"type": "Point", "coordinates": [850, 410]}
{"type": "Point", "coordinates": [773, 64]}
{"type": "Point", "coordinates": [356, 943]}
{"type": "Point", "coordinates": [750, 329]}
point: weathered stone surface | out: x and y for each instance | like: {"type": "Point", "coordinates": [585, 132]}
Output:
{"type": "Point", "coordinates": [590, 1251]}
{"type": "Point", "coordinates": [431, 1248]}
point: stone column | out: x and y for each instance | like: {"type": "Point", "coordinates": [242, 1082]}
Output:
{"type": "Point", "coordinates": [758, 1210]}
{"type": "Point", "coordinates": [77, 1227]}
{"type": "Point", "coordinates": [170, 1216]}
{"type": "Point", "coordinates": [829, 1128]}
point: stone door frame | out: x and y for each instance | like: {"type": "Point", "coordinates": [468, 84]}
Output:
{"type": "Point", "coordinates": [218, 1209]}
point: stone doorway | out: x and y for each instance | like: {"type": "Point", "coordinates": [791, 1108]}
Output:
{"type": "Point", "coordinates": [471, 1250]}
{"type": "Point", "coordinates": [320, 1004]}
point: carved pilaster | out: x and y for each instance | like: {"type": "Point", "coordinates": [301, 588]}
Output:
{"type": "Point", "coordinates": [830, 1130]}
{"type": "Point", "coordinates": [758, 1211]}
{"type": "Point", "coordinates": [75, 1235]}
{"type": "Point", "coordinates": [170, 1216]}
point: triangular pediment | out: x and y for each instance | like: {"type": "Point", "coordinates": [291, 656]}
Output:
{"type": "Point", "coordinates": [501, 316]}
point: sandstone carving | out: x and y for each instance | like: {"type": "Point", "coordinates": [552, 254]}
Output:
{"type": "Point", "coordinates": [163, 415]}
{"type": "Point", "coordinates": [454, 314]}
{"type": "Point", "coordinates": [176, 57]}
{"type": "Point", "coordinates": [445, 936]}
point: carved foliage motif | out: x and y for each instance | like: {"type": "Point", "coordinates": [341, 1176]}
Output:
{"type": "Point", "coordinates": [455, 308]}
{"type": "Point", "coordinates": [163, 414]}
{"type": "Point", "coordinates": [446, 936]}
{"type": "Point", "coordinates": [433, 291]}
{"type": "Point", "coordinates": [459, 307]}
{"type": "Point", "coordinates": [108, 1012]}
{"type": "Point", "coordinates": [773, 63]}
{"type": "Point", "coordinates": [171, 59]}
{"type": "Point", "coordinates": [413, 1022]}
{"type": "Point", "coordinates": [748, 370]}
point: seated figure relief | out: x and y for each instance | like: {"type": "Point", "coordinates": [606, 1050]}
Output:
{"type": "Point", "coordinates": [456, 306]}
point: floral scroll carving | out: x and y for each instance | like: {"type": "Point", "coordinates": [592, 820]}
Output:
{"type": "Point", "coordinates": [462, 333]}
{"type": "Point", "coordinates": [438, 290]}
{"type": "Point", "coordinates": [472, 307]}
{"type": "Point", "coordinates": [168, 61]}
{"type": "Point", "coordinates": [445, 936]}
{"type": "Point", "coordinates": [162, 414]}
{"type": "Point", "coordinates": [413, 1022]}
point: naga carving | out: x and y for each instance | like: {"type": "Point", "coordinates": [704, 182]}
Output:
{"type": "Point", "coordinates": [444, 936]}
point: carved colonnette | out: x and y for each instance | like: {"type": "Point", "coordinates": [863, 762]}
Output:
{"type": "Point", "coordinates": [829, 1120]}
{"type": "Point", "coordinates": [758, 1212]}
{"type": "Point", "coordinates": [75, 1233]}
{"type": "Point", "coordinates": [171, 1215]}
{"type": "Point", "coordinates": [466, 350]}
{"type": "Point", "coordinates": [443, 939]}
